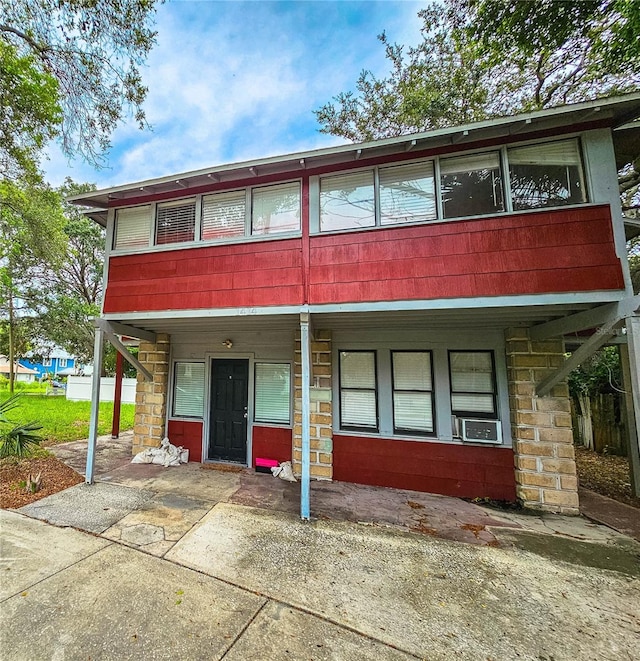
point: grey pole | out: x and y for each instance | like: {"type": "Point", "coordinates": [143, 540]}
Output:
{"type": "Point", "coordinates": [95, 404]}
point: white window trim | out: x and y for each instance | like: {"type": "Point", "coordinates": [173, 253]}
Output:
{"type": "Point", "coordinates": [279, 425]}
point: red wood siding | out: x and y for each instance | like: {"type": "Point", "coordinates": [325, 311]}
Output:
{"type": "Point", "coordinates": [563, 250]}
{"type": "Point", "coordinates": [271, 443]}
{"type": "Point", "coordinates": [243, 275]}
{"type": "Point", "coordinates": [451, 470]}
{"type": "Point", "coordinates": [188, 434]}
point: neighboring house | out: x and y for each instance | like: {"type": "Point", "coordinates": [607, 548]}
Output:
{"type": "Point", "coordinates": [397, 307]}
{"type": "Point", "coordinates": [21, 372]}
{"type": "Point", "coordinates": [56, 364]}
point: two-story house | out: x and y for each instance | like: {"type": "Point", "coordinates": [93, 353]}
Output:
{"type": "Point", "coordinates": [388, 313]}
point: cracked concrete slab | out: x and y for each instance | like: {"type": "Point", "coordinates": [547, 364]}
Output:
{"type": "Point", "coordinates": [31, 551]}
{"type": "Point", "coordinates": [426, 596]}
{"type": "Point", "coordinates": [90, 507]}
{"type": "Point", "coordinates": [123, 604]}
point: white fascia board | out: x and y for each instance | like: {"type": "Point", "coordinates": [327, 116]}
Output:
{"type": "Point", "coordinates": [601, 108]}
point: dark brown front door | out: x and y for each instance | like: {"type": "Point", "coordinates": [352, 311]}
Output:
{"type": "Point", "coordinates": [228, 416]}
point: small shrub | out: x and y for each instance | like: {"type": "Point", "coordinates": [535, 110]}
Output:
{"type": "Point", "coordinates": [20, 440]}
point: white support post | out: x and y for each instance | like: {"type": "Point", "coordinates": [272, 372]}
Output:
{"type": "Point", "coordinates": [98, 347]}
{"type": "Point", "coordinates": [631, 373]}
{"type": "Point", "coordinates": [305, 351]}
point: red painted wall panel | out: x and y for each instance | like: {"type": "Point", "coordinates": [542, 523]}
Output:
{"type": "Point", "coordinates": [452, 470]}
{"type": "Point", "coordinates": [188, 434]}
{"type": "Point", "coordinates": [529, 253]}
{"type": "Point", "coordinates": [271, 443]}
{"type": "Point", "coordinates": [207, 277]}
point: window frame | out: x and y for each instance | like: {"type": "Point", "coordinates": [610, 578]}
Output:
{"type": "Point", "coordinates": [460, 413]}
{"type": "Point", "coordinates": [375, 389]}
{"type": "Point", "coordinates": [181, 416]}
{"type": "Point", "coordinates": [276, 423]}
{"type": "Point", "coordinates": [168, 204]}
{"type": "Point", "coordinates": [414, 432]}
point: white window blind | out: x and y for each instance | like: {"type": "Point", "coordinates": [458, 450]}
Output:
{"type": "Point", "coordinates": [472, 382]}
{"type": "Point", "coordinates": [358, 401]}
{"type": "Point", "coordinates": [132, 227]}
{"type": "Point", "coordinates": [188, 391]}
{"type": "Point", "coordinates": [412, 392]}
{"type": "Point", "coordinates": [347, 201]}
{"type": "Point", "coordinates": [272, 393]}
{"type": "Point", "coordinates": [407, 193]}
{"type": "Point", "coordinates": [471, 163]}
{"type": "Point", "coordinates": [175, 222]}
{"type": "Point", "coordinates": [564, 152]}
{"type": "Point", "coordinates": [223, 215]}
{"type": "Point", "coordinates": [276, 209]}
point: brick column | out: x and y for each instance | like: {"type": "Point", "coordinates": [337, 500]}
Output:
{"type": "Point", "coordinates": [320, 423]}
{"type": "Point", "coordinates": [546, 476]}
{"type": "Point", "coordinates": [151, 396]}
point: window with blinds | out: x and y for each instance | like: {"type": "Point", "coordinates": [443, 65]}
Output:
{"type": "Point", "coordinates": [471, 185]}
{"type": "Point", "coordinates": [272, 393]}
{"type": "Point", "coordinates": [407, 193]}
{"type": "Point", "coordinates": [188, 390]}
{"type": "Point", "coordinates": [223, 215]}
{"type": "Point", "coordinates": [347, 201]}
{"type": "Point", "coordinates": [132, 228]}
{"type": "Point", "coordinates": [473, 390]}
{"type": "Point", "coordinates": [546, 175]}
{"type": "Point", "coordinates": [175, 222]}
{"type": "Point", "coordinates": [275, 209]}
{"type": "Point", "coordinates": [358, 396]}
{"type": "Point", "coordinates": [412, 392]}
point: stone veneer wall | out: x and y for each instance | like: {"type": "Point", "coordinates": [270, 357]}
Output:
{"type": "Point", "coordinates": [151, 396]}
{"type": "Point", "coordinates": [320, 413]}
{"type": "Point", "coordinates": [546, 476]}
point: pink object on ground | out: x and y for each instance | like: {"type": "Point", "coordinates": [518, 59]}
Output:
{"type": "Point", "coordinates": [267, 463]}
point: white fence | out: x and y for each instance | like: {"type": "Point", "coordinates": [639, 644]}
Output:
{"type": "Point", "coordinates": [79, 389]}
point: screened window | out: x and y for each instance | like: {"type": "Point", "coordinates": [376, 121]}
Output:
{"type": "Point", "coordinates": [358, 399]}
{"type": "Point", "coordinates": [412, 392]}
{"type": "Point", "coordinates": [133, 226]}
{"type": "Point", "coordinates": [275, 209]}
{"type": "Point", "coordinates": [473, 391]}
{"type": "Point", "coordinates": [471, 185]}
{"type": "Point", "coordinates": [175, 222]}
{"type": "Point", "coordinates": [223, 215]}
{"type": "Point", "coordinates": [347, 201]}
{"type": "Point", "coordinates": [272, 393]}
{"type": "Point", "coordinates": [188, 390]}
{"type": "Point", "coordinates": [546, 175]}
{"type": "Point", "coordinates": [407, 193]}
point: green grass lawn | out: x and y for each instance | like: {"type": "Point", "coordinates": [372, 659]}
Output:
{"type": "Point", "coordinates": [63, 420]}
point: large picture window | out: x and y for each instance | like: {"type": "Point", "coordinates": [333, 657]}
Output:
{"type": "Point", "coordinates": [275, 209]}
{"type": "Point", "coordinates": [223, 215]}
{"type": "Point", "coordinates": [272, 393]}
{"type": "Point", "coordinates": [473, 389]}
{"type": "Point", "coordinates": [188, 390]}
{"type": "Point", "coordinates": [546, 175]}
{"type": "Point", "coordinates": [358, 397]}
{"type": "Point", "coordinates": [347, 201]}
{"type": "Point", "coordinates": [412, 392]}
{"type": "Point", "coordinates": [407, 194]}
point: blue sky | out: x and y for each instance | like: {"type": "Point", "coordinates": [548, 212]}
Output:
{"type": "Point", "coordinates": [231, 81]}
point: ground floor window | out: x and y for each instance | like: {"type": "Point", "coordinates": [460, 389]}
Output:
{"type": "Point", "coordinates": [273, 393]}
{"type": "Point", "coordinates": [358, 396]}
{"type": "Point", "coordinates": [412, 392]}
{"type": "Point", "coordinates": [188, 390]}
{"type": "Point", "coordinates": [473, 384]}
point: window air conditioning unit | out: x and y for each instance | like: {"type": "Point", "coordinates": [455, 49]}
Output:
{"type": "Point", "coordinates": [481, 431]}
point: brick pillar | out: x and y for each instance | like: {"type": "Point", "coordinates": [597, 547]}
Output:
{"type": "Point", "coordinates": [320, 415]}
{"type": "Point", "coordinates": [151, 396]}
{"type": "Point", "coordinates": [546, 476]}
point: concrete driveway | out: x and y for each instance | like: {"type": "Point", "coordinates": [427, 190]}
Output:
{"type": "Point", "coordinates": [193, 563]}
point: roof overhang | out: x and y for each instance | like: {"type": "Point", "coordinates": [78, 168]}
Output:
{"type": "Point", "coordinates": [612, 112]}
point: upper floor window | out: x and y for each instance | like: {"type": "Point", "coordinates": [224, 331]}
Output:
{"type": "Point", "coordinates": [347, 201]}
{"type": "Point", "coordinates": [46, 362]}
{"type": "Point", "coordinates": [132, 227]}
{"type": "Point", "coordinates": [407, 193]}
{"type": "Point", "coordinates": [546, 175]}
{"type": "Point", "coordinates": [275, 209]}
{"type": "Point", "coordinates": [223, 215]}
{"type": "Point", "coordinates": [62, 362]}
{"type": "Point", "coordinates": [175, 221]}
{"type": "Point", "coordinates": [471, 185]}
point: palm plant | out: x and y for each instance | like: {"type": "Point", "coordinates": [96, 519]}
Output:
{"type": "Point", "coordinates": [20, 440]}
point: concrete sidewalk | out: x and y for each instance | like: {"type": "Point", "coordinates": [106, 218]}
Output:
{"type": "Point", "coordinates": [249, 583]}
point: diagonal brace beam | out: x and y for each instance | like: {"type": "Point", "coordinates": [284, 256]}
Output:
{"type": "Point", "coordinates": [586, 319]}
{"type": "Point", "coordinates": [117, 328]}
{"type": "Point", "coordinates": [131, 359]}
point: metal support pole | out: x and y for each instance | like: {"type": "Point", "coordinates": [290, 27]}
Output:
{"type": "Point", "coordinates": [95, 404]}
{"type": "Point", "coordinates": [305, 350]}
{"type": "Point", "coordinates": [117, 396]}
{"type": "Point", "coordinates": [630, 361]}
